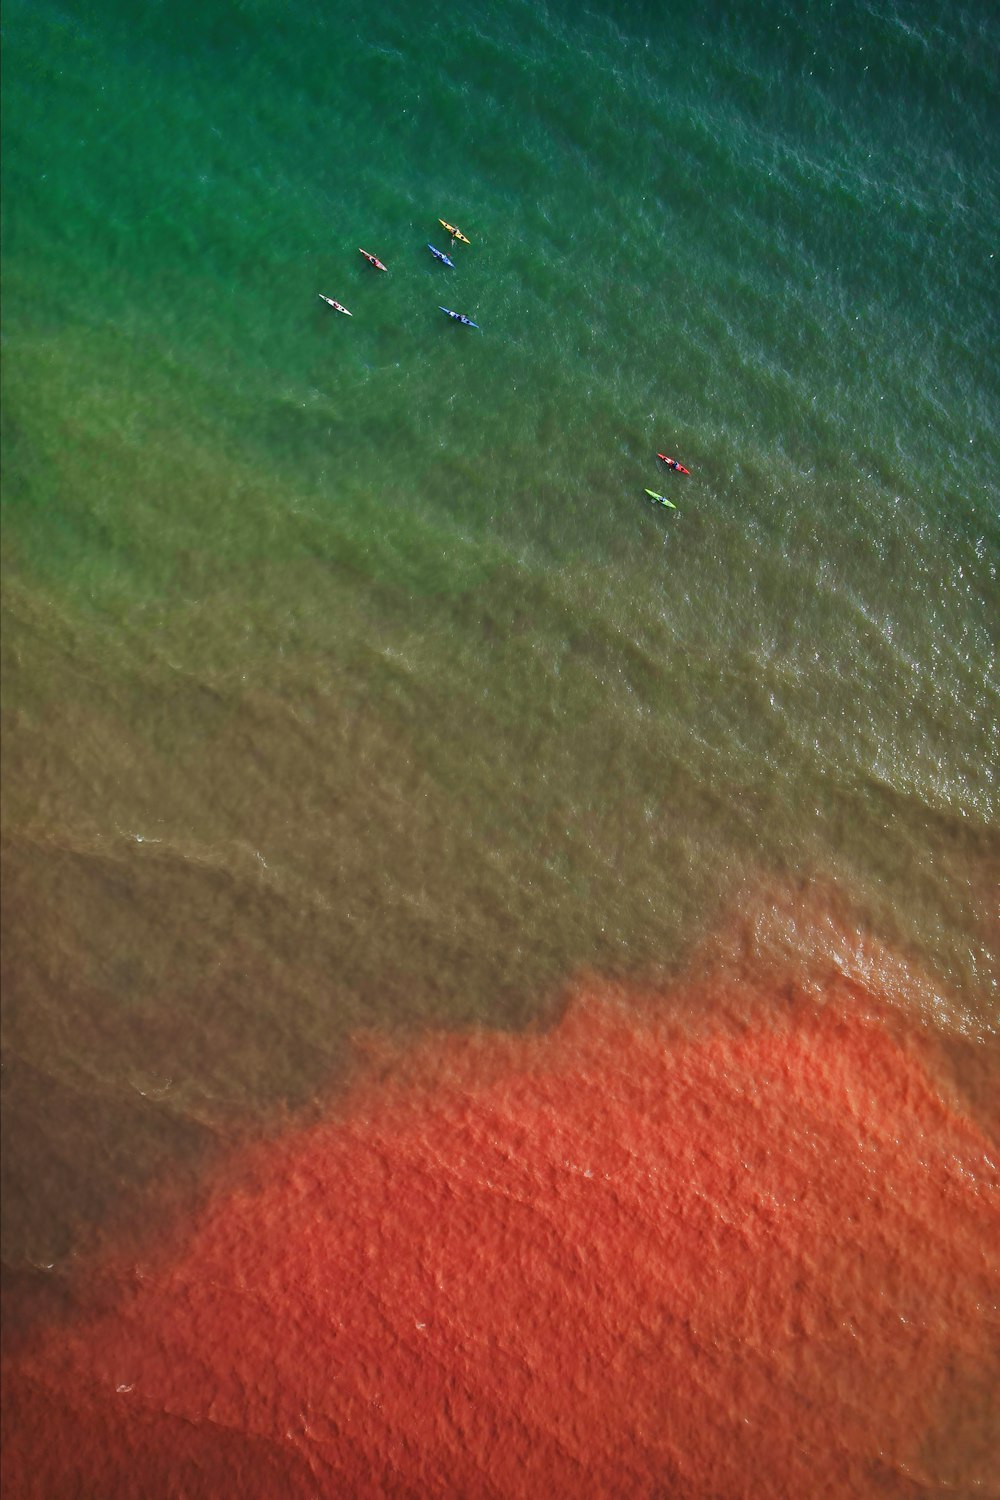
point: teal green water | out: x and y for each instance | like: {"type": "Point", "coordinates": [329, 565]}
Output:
{"type": "Point", "coordinates": [349, 676]}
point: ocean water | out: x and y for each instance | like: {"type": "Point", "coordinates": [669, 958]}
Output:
{"type": "Point", "coordinates": [350, 682]}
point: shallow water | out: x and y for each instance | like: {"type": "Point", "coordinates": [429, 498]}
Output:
{"type": "Point", "coordinates": [349, 679]}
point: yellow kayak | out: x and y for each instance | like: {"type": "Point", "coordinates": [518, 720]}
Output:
{"type": "Point", "coordinates": [456, 234]}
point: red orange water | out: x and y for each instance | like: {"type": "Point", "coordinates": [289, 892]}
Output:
{"type": "Point", "coordinates": [612, 1260]}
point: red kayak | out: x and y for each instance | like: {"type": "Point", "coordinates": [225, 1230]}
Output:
{"type": "Point", "coordinates": [672, 463]}
{"type": "Point", "coordinates": [373, 260]}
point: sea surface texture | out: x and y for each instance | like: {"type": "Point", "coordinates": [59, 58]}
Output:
{"type": "Point", "coordinates": [515, 963]}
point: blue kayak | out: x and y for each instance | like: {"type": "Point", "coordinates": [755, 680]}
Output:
{"type": "Point", "coordinates": [440, 255]}
{"type": "Point", "coordinates": [459, 317]}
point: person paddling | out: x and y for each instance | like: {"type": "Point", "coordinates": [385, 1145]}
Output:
{"type": "Point", "coordinates": [672, 463]}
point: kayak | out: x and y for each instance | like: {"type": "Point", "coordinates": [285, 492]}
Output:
{"type": "Point", "coordinates": [440, 255]}
{"type": "Point", "coordinates": [337, 306]}
{"type": "Point", "coordinates": [660, 499]}
{"type": "Point", "coordinates": [373, 260]}
{"type": "Point", "coordinates": [672, 463]}
{"type": "Point", "coordinates": [459, 317]}
{"type": "Point", "coordinates": [456, 234]}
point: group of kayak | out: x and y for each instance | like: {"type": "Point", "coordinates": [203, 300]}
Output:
{"type": "Point", "coordinates": [677, 468]}
{"type": "Point", "coordinates": [456, 237]}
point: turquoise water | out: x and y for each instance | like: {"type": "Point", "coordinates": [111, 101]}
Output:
{"type": "Point", "coordinates": [350, 679]}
